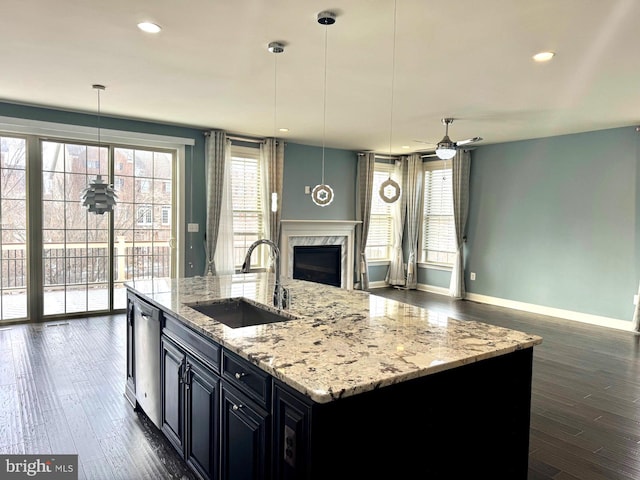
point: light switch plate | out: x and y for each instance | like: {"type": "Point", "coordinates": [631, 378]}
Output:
{"type": "Point", "coordinates": [193, 227]}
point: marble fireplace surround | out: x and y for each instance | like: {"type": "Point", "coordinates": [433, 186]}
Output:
{"type": "Point", "coordinates": [318, 232]}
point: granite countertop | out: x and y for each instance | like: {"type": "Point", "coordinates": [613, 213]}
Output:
{"type": "Point", "coordinates": [340, 342]}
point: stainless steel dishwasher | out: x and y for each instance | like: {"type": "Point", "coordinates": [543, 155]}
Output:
{"type": "Point", "coordinates": [146, 338]}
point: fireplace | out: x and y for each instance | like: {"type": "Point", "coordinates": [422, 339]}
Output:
{"type": "Point", "coordinates": [338, 233]}
{"type": "Point", "coordinates": [318, 263]}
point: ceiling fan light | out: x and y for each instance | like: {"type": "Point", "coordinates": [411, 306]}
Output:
{"type": "Point", "coordinates": [445, 149]}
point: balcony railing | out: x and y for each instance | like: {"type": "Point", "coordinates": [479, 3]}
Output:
{"type": "Point", "coordinates": [86, 263]}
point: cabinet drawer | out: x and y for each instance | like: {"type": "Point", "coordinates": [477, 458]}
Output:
{"type": "Point", "coordinates": [196, 343]}
{"type": "Point", "coordinates": [247, 378]}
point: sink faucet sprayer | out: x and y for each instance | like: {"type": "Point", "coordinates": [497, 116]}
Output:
{"type": "Point", "coordinates": [280, 294]}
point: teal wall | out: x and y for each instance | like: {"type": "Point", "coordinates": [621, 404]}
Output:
{"type": "Point", "coordinates": [194, 257]}
{"type": "Point", "coordinates": [554, 222]}
{"type": "Point", "coordinates": [303, 166]}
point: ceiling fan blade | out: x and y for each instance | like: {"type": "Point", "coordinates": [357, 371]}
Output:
{"type": "Point", "coordinates": [425, 142]}
{"type": "Point", "coordinates": [468, 141]}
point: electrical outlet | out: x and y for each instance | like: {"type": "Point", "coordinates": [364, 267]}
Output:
{"type": "Point", "coordinates": [307, 190]}
{"type": "Point", "coordinates": [472, 275]}
{"type": "Point", "coordinates": [290, 446]}
{"type": "Point", "coordinates": [635, 299]}
{"type": "Point", "coordinates": [193, 227]}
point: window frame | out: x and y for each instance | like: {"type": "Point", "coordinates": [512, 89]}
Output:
{"type": "Point", "coordinates": [259, 260]}
{"type": "Point", "coordinates": [384, 168]}
{"type": "Point", "coordinates": [427, 167]}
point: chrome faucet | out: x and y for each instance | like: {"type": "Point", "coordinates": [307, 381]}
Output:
{"type": "Point", "coordinates": [280, 294]}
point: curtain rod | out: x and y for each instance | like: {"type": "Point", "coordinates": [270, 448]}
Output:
{"type": "Point", "coordinates": [242, 139]}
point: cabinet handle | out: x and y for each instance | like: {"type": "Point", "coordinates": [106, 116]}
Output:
{"type": "Point", "coordinates": [185, 377]}
{"type": "Point", "coordinates": [239, 375]}
{"type": "Point", "coordinates": [237, 407]}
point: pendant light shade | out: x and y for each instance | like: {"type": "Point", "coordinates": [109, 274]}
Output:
{"type": "Point", "coordinates": [99, 197]}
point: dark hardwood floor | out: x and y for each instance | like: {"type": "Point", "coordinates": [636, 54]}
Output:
{"type": "Point", "coordinates": [62, 384]}
{"type": "Point", "coordinates": [585, 405]}
{"type": "Point", "coordinates": [61, 391]}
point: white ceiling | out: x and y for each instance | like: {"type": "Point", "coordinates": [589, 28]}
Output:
{"type": "Point", "coordinates": [210, 68]}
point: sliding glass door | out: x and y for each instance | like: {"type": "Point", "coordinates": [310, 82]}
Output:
{"type": "Point", "coordinates": [75, 243]}
{"type": "Point", "coordinates": [13, 228]}
{"type": "Point", "coordinates": [57, 259]}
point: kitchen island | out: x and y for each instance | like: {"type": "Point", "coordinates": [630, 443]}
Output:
{"type": "Point", "coordinates": [351, 385]}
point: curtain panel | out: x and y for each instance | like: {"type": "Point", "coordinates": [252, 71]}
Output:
{"type": "Point", "coordinates": [215, 162]}
{"type": "Point", "coordinates": [413, 190]}
{"type": "Point", "coordinates": [395, 273]}
{"type": "Point", "coordinates": [223, 257]}
{"type": "Point", "coordinates": [275, 156]}
{"type": "Point", "coordinates": [460, 186]}
{"type": "Point", "coordinates": [366, 164]}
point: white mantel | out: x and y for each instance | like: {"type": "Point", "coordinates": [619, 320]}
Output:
{"type": "Point", "coordinates": [318, 232]}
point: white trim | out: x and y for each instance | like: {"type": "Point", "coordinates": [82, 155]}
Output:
{"type": "Point", "coordinates": [378, 263]}
{"type": "Point", "coordinates": [553, 312]}
{"type": "Point", "coordinates": [89, 134]}
{"type": "Point", "coordinates": [180, 214]}
{"type": "Point", "coordinates": [378, 284]}
{"type": "Point", "coordinates": [435, 266]}
{"type": "Point", "coordinates": [433, 289]}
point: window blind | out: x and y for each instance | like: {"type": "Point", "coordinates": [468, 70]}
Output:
{"type": "Point", "coordinates": [380, 238]}
{"type": "Point", "coordinates": [438, 229]}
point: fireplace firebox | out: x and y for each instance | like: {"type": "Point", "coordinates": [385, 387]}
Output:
{"type": "Point", "coordinates": [318, 263]}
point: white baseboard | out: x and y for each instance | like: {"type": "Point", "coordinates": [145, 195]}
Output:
{"type": "Point", "coordinates": [553, 312]}
{"type": "Point", "coordinates": [433, 289]}
{"type": "Point", "coordinates": [378, 284]}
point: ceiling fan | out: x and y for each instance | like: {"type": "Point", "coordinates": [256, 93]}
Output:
{"type": "Point", "coordinates": [446, 148]}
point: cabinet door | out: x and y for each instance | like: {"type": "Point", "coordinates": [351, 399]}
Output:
{"type": "Point", "coordinates": [173, 364]}
{"type": "Point", "coordinates": [244, 442]}
{"type": "Point", "coordinates": [292, 417]}
{"type": "Point", "coordinates": [202, 413]}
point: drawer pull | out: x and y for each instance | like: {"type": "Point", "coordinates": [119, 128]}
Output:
{"type": "Point", "coordinates": [239, 375]}
{"type": "Point", "coordinates": [237, 407]}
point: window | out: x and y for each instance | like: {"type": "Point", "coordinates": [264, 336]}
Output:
{"type": "Point", "coordinates": [166, 215]}
{"type": "Point", "coordinates": [144, 185]}
{"type": "Point", "coordinates": [438, 229]}
{"type": "Point", "coordinates": [144, 215]}
{"type": "Point", "coordinates": [380, 238]}
{"type": "Point", "coordinates": [247, 201]}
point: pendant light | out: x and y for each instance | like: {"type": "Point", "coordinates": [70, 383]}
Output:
{"type": "Point", "coordinates": [99, 197]}
{"type": "Point", "coordinates": [275, 48]}
{"type": "Point", "coordinates": [389, 189]}
{"type": "Point", "coordinates": [322, 194]}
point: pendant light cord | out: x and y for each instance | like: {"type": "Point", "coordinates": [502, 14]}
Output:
{"type": "Point", "coordinates": [99, 138]}
{"type": "Point", "coordinates": [393, 77]}
{"type": "Point", "coordinates": [275, 95]}
{"type": "Point", "coordinates": [324, 113]}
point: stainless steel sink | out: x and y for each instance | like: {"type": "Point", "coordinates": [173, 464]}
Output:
{"type": "Point", "coordinates": [236, 313]}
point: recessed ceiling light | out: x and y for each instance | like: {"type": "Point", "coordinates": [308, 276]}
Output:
{"type": "Point", "coordinates": [543, 56]}
{"type": "Point", "coordinates": [149, 27]}
{"type": "Point", "coordinates": [406, 147]}
{"type": "Point", "coordinates": [283, 129]}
